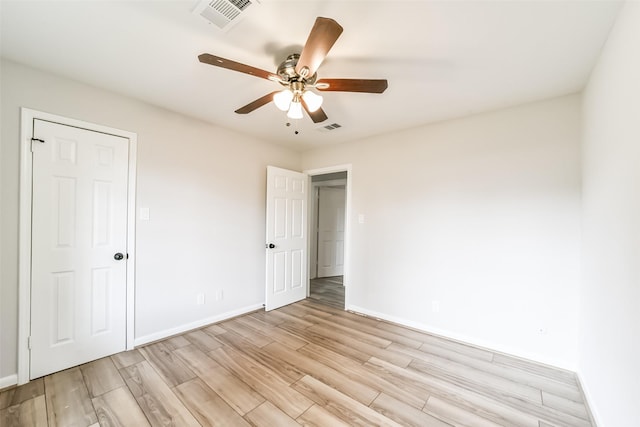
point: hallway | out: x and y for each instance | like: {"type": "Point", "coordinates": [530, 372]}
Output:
{"type": "Point", "coordinates": [328, 291]}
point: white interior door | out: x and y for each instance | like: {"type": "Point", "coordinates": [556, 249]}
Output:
{"type": "Point", "coordinates": [79, 224]}
{"type": "Point", "coordinates": [331, 204]}
{"type": "Point", "coordinates": [286, 277]}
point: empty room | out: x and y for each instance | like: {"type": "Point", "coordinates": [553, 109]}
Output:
{"type": "Point", "coordinates": [320, 213]}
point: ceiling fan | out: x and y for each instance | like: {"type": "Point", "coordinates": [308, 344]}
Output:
{"type": "Point", "coordinates": [297, 73]}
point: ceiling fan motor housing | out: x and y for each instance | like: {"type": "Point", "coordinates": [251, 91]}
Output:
{"type": "Point", "coordinates": [287, 72]}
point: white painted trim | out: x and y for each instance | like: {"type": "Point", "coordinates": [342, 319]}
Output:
{"type": "Point", "coordinates": [465, 339]}
{"type": "Point", "coordinates": [8, 381]}
{"type": "Point", "coordinates": [24, 228]}
{"type": "Point", "coordinates": [329, 169]}
{"type": "Point", "coordinates": [347, 232]}
{"type": "Point", "coordinates": [591, 408]}
{"type": "Point", "coordinates": [195, 325]}
{"type": "Point", "coordinates": [24, 245]}
{"type": "Point", "coordinates": [131, 241]}
{"type": "Point", "coordinates": [312, 258]}
{"type": "Point", "coordinates": [330, 183]}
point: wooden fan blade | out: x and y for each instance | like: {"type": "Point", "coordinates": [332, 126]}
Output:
{"type": "Point", "coordinates": [217, 61]}
{"type": "Point", "coordinates": [352, 85]}
{"type": "Point", "coordinates": [317, 116]}
{"type": "Point", "coordinates": [256, 104]}
{"type": "Point", "coordinates": [323, 35]}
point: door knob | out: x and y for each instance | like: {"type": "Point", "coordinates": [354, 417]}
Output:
{"type": "Point", "coordinates": [118, 256]}
{"type": "Point", "coordinates": [271, 246]}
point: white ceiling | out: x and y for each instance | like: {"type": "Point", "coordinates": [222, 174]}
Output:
{"type": "Point", "coordinates": [443, 59]}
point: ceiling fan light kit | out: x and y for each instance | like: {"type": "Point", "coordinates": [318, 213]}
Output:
{"type": "Point", "coordinates": [283, 99]}
{"type": "Point", "coordinates": [290, 100]}
{"type": "Point", "coordinates": [313, 100]}
{"type": "Point", "coordinates": [298, 74]}
{"type": "Point", "coordinates": [295, 110]}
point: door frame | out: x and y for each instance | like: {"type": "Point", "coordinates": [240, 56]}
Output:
{"type": "Point", "coordinates": [347, 224]}
{"type": "Point", "coordinates": [27, 116]}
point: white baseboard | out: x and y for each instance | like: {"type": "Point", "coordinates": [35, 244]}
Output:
{"type": "Point", "coordinates": [462, 338]}
{"type": "Point", "coordinates": [194, 325]}
{"type": "Point", "coordinates": [589, 400]}
{"type": "Point", "coordinates": [8, 381]}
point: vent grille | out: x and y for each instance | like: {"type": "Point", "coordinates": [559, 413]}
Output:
{"type": "Point", "coordinates": [222, 13]}
{"type": "Point", "coordinates": [241, 4]}
{"type": "Point", "coordinates": [331, 126]}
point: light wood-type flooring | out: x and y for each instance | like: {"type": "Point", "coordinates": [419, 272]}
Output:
{"type": "Point", "coordinates": [305, 364]}
{"type": "Point", "coordinates": [327, 290]}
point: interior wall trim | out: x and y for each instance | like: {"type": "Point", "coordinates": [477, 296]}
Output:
{"type": "Point", "coordinates": [589, 401]}
{"type": "Point", "coordinates": [464, 339]}
{"type": "Point", "coordinates": [156, 336]}
{"type": "Point", "coordinates": [8, 381]}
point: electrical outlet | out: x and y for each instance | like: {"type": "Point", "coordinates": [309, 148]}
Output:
{"type": "Point", "coordinates": [200, 298]}
{"type": "Point", "coordinates": [435, 306]}
{"type": "Point", "coordinates": [219, 295]}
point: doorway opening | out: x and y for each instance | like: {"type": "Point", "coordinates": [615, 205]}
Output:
{"type": "Point", "coordinates": [328, 242]}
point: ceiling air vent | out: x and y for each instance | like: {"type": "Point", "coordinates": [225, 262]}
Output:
{"type": "Point", "coordinates": [224, 14]}
{"type": "Point", "coordinates": [327, 128]}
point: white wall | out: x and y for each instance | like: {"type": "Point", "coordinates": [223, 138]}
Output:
{"type": "Point", "coordinates": [610, 310]}
{"type": "Point", "coordinates": [481, 214]}
{"type": "Point", "coordinates": [205, 187]}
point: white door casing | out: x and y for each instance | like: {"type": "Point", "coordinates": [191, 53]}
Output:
{"type": "Point", "coordinates": [286, 227]}
{"type": "Point", "coordinates": [77, 191]}
{"type": "Point", "coordinates": [331, 222]}
{"type": "Point", "coordinates": [347, 276]}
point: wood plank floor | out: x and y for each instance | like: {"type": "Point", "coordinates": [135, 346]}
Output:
{"type": "Point", "coordinates": [328, 291]}
{"type": "Point", "coordinates": [305, 364]}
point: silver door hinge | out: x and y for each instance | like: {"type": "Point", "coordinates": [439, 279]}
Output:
{"type": "Point", "coordinates": [36, 140]}
{"type": "Point", "coordinates": [29, 343]}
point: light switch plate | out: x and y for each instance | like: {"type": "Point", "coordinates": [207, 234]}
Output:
{"type": "Point", "coordinates": [144, 214]}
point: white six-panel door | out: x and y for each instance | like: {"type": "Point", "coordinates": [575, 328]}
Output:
{"type": "Point", "coordinates": [331, 217]}
{"type": "Point", "coordinates": [79, 224]}
{"type": "Point", "coordinates": [286, 276]}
